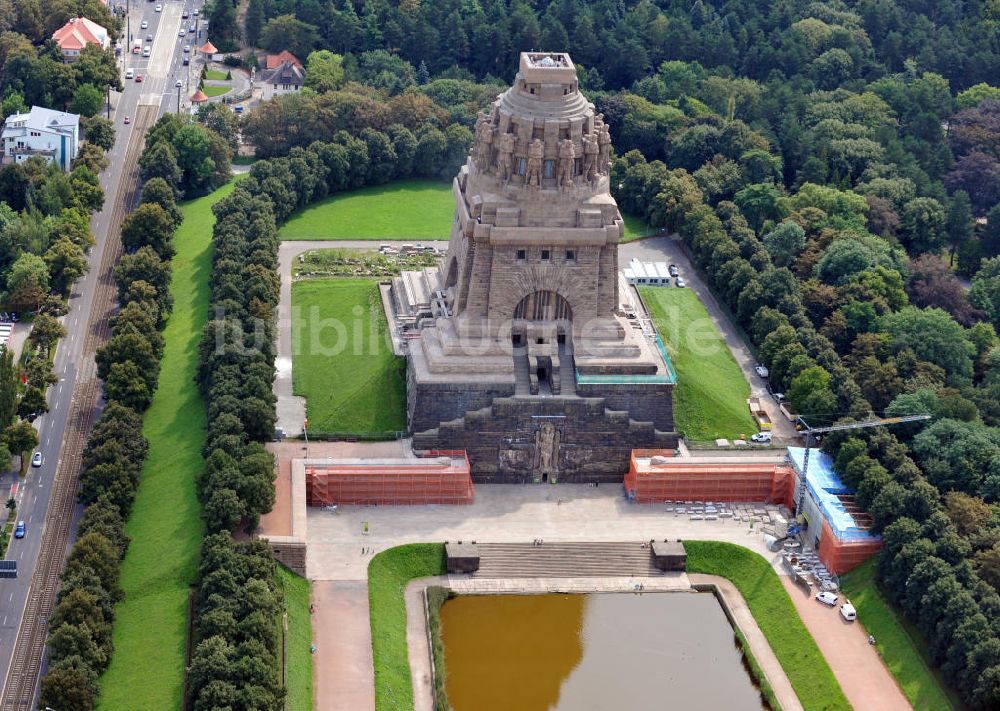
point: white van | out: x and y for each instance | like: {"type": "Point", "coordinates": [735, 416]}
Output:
{"type": "Point", "coordinates": [848, 612]}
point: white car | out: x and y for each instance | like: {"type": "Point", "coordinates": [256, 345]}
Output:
{"type": "Point", "coordinates": [196, 12]}
{"type": "Point", "coordinates": [680, 282]}
{"type": "Point", "coordinates": [848, 612]}
{"type": "Point", "coordinates": [143, 25]}
{"type": "Point", "coordinates": [181, 32]}
{"type": "Point", "coordinates": [130, 73]}
{"type": "Point", "coordinates": [827, 598]}
{"type": "Point", "coordinates": [761, 370]}
{"type": "Point", "coordinates": [761, 438]}
{"type": "Point", "coordinates": [158, 8]}
{"type": "Point", "coordinates": [178, 83]}
{"type": "Point", "coordinates": [36, 460]}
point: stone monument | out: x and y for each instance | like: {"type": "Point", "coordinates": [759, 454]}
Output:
{"type": "Point", "coordinates": [518, 348]}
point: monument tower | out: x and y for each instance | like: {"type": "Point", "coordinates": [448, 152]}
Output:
{"type": "Point", "coordinates": [525, 357]}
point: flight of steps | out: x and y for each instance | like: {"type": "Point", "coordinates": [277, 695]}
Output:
{"type": "Point", "coordinates": [413, 294]}
{"type": "Point", "coordinates": [565, 560]}
{"type": "Point", "coordinates": [522, 378]}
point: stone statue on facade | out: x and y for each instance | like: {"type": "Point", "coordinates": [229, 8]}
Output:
{"type": "Point", "coordinates": [484, 142]}
{"type": "Point", "coordinates": [547, 448]}
{"type": "Point", "coordinates": [567, 154]}
{"type": "Point", "coordinates": [506, 157]}
{"type": "Point", "coordinates": [604, 149]}
{"type": "Point", "coordinates": [533, 172]}
{"type": "Point", "coordinates": [590, 152]}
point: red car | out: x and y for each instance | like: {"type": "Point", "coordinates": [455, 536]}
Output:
{"type": "Point", "coordinates": [138, 78]}
{"type": "Point", "coordinates": [128, 120]}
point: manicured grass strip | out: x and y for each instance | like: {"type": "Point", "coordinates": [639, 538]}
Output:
{"type": "Point", "coordinates": [342, 361]}
{"type": "Point", "coordinates": [215, 74]}
{"type": "Point", "coordinates": [900, 644]}
{"type": "Point", "coordinates": [150, 632]}
{"type": "Point", "coordinates": [636, 228]}
{"type": "Point", "coordinates": [402, 210]}
{"type": "Point", "coordinates": [298, 660]}
{"type": "Point", "coordinates": [710, 399]}
{"type": "Point", "coordinates": [810, 675]}
{"type": "Point", "coordinates": [388, 574]}
{"type": "Point", "coordinates": [216, 90]}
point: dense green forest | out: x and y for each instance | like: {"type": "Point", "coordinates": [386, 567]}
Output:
{"type": "Point", "coordinates": [834, 169]}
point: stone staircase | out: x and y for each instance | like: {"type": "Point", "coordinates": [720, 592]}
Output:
{"type": "Point", "coordinates": [522, 378]}
{"type": "Point", "coordinates": [565, 560]}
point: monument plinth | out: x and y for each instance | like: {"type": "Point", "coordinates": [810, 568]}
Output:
{"type": "Point", "coordinates": [524, 355]}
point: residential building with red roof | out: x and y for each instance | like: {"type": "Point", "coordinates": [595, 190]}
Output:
{"type": "Point", "coordinates": [77, 34]}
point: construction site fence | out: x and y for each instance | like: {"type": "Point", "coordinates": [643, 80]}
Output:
{"type": "Point", "coordinates": [839, 555]}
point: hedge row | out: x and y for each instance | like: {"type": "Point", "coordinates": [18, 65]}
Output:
{"type": "Point", "coordinates": [79, 642]}
{"type": "Point", "coordinates": [924, 563]}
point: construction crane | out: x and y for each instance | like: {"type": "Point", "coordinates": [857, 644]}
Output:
{"type": "Point", "coordinates": [811, 432]}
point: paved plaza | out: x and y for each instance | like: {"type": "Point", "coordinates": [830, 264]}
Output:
{"type": "Point", "coordinates": [505, 514]}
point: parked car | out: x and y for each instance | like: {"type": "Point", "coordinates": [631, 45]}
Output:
{"type": "Point", "coordinates": [848, 612]}
{"type": "Point", "coordinates": [19, 530]}
{"type": "Point", "coordinates": [761, 370]}
{"type": "Point", "coordinates": [36, 459]}
{"type": "Point", "coordinates": [184, 14]}
{"type": "Point", "coordinates": [127, 121]}
{"type": "Point", "coordinates": [187, 48]}
{"type": "Point", "coordinates": [178, 83]}
{"type": "Point", "coordinates": [195, 13]}
{"type": "Point", "coordinates": [143, 25]}
{"type": "Point", "coordinates": [679, 281]}
{"type": "Point", "coordinates": [827, 598]}
{"type": "Point", "coordinates": [186, 61]}
{"type": "Point", "coordinates": [761, 438]}
{"type": "Point", "coordinates": [779, 397]}
{"type": "Point", "coordinates": [181, 32]}
{"type": "Point", "coordinates": [673, 270]}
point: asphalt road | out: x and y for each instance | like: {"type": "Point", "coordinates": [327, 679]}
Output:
{"type": "Point", "coordinates": [160, 72]}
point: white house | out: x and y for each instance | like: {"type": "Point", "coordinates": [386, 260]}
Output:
{"type": "Point", "coordinates": [286, 78]}
{"type": "Point", "coordinates": [77, 34]}
{"type": "Point", "coordinates": [55, 135]}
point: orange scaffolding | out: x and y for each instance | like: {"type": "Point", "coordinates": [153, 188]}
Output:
{"type": "Point", "coordinates": [675, 479]}
{"type": "Point", "coordinates": [439, 477]}
{"type": "Point", "coordinates": [840, 554]}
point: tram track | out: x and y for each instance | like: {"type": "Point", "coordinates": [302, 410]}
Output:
{"type": "Point", "coordinates": [22, 679]}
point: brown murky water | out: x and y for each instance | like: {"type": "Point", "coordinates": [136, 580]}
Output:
{"type": "Point", "coordinates": [601, 652]}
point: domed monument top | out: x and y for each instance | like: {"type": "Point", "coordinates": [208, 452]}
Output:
{"type": "Point", "coordinates": [542, 132]}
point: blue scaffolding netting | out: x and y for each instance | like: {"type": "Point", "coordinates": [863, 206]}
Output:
{"type": "Point", "coordinates": [825, 487]}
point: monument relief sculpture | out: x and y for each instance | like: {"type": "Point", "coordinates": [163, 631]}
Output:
{"type": "Point", "coordinates": [604, 143]}
{"type": "Point", "coordinates": [590, 151]}
{"type": "Point", "coordinates": [506, 157]}
{"type": "Point", "coordinates": [533, 174]}
{"type": "Point", "coordinates": [567, 154]}
{"type": "Point", "coordinates": [484, 142]}
{"type": "Point", "coordinates": [547, 448]}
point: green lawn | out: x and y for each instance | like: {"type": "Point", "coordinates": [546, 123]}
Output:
{"type": "Point", "coordinates": [807, 670]}
{"type": "Point", "coordinates": [636, 228]}
{"type": "Point", "coordinates": [150, 633]}
{"type": "Point", "coordinates": [215, 90]}
{"type": "Point", "coordinates": [900, 644]}
{"type": "Point", "coordinates": [403, 210]}
{"type": "Point", "coordinates": [388, 574]}
{"type": "Point", "coordinates": [299, 660]}
{"type": "Point", "coordinates": [342, 362]}
{"type": "Point", "coordinates": [711, 392]}
{"type": "Point", "coordinates": [215, 74]}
